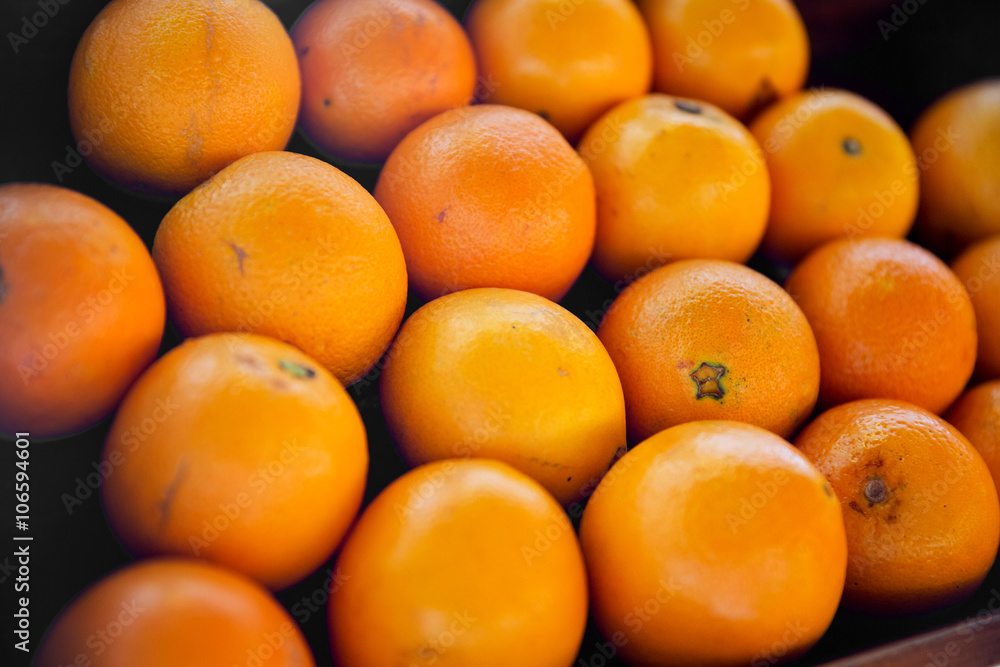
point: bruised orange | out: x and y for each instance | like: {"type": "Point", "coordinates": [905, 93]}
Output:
{"type": "Point", "coordinates": [675, 179]}
{"type": "Point", "coordinates": [489, 196]}
{"type": "Point", "coordinates": [737, 54]}
{"type": "Point", "coordinates": [713, 543]}
{"type": "Point", "coordinates": [840, 168]}
{"type": "Point", "coordinates": [569, 62]}
{"type": "Point", "coordinates": [506, 375]}
{"type": "Point", "coordinates": [287, 246]}
{"type": "Point", "coordinates": [458, 563]}
{"type": "Point", "coordinates": [920, 507]}
{"type": "Point", "coordinates": [165, 93]}
{"type": "Point", "coordinates": [891, 321]}
{"type": "Point", "coordinates": [372, 70]}
{"type": "Point", "coordinates": [709, 339]}
{"type": "Point", "coordinates": [238, 449]}
{"type": "Point", "coordinates": [976, 414]}
{"type": "Point", "coordinates": [169, 612]}
{"type": "Point", "coordinates": [81, 310]}
{"type": "Point", "coordinates": [958, 143]}
{"type": "Point", "coordinates": [979, 270]}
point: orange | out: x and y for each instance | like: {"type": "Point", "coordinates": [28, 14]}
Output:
{"type": "Point", "coordinates": [976, 414]}
{"type": "Point", "coordinates": [713, 543]}
{"type": "Point", "coordinates": [287, 246]}
{"type": "Point", "coordinates": [709, 339]}
{"type": "Point", "coordinates": [737, 54]}
{"type": "Point", "coordinates": [459, 563]}
{"type": "Point", "coordinates": [372, 70]}
{"type": "Point", "coordinates": [675, 179]}
{"type": "Point", "coordinates": [167, 92]}
{"type": "Point", "coordinates": [168, 612]}
{"type": "Point", "coordinates": [840, 168]}
{"type": "Point", "coordinates": [979, 270]}
{"type": "Point", "coordinates": [957, 141]}
{"type": "Point", "coordinates": [919, 505]}
{"type": "Point", "coordinates": [489, 196]}
{"type": "Point", "coordinates": [569, 62]}
{"type": "Point", "coordinates": [81, 310]}
{"type": "Point", "coordinates": [891, 321]}
{"type": "Point", "coordinates": [238, 449]}
{"type": "Point", "coordinates": [506, 375]}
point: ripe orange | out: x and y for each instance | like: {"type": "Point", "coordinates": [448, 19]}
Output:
{"type": "Point", "coordinates": [739, 55]}
{"type": "Point", "coordinates": [81, 310]}
{"type": "Point", "coordinates": [168, 92]}
{"type": "Point", "coordinates": [372, 70]}
{"type": "Point", "coordinates": [489, 196]}
{"type": "Point", "coordinates": [958, 143]}
{"type": "Point", "coordinates": [569, 62]}
{"type": "Point", "coordinates": [169, 612]}
{"type": "Point", "coordinates": [713, 543]}
{"type": "Point", "coordinates": [287, 246]}
{"type": "Point", "coordinates": [979, 270]}
{"type": "Point", "coordinates": [840, 168]}
{"type": "Point", "coordinates": [675, 179]}
{"type": "Point", "coordinates": [919, 505]}
{"type": "Point", "coordinates": [709, 339]}
{"type": "Point", "coordinates": [506, 375]}
{"type": "Point", "coordinates": [976, 414]}
{"type": "Point", "coordinates": [891, 321]}
{"type": "Point", "coordinates": [458, 563]}
{"type": "Point", "coordinates": [238, 449]}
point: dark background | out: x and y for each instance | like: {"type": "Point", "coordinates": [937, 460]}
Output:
{"type": "Point", "coordinates": [941, 44]}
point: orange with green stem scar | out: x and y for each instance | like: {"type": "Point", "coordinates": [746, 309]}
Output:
{"type": "Point", "coordinates": [708, 379]}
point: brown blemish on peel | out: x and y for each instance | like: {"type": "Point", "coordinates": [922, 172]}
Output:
{"type": "Point", "coordinates": [296, 369]}
{"type": "Point", "coordinates": [3, 287]}
{"type": "Point", "coordinates": [171, 493]}
{"type": "Point", "coordinates": [708, 380]}
{"type": "Point", "coordinates": [241, 254]}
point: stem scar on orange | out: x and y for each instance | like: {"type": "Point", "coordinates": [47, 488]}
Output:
{"type": "Point", "coordinates": [710, 339]}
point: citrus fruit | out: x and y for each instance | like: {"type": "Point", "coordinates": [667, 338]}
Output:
{"type": "Point", "coordinates": [891, 321]}
{"type": "Point", "coordinates": [81, 310]}
{"type": "Point", "coordinates": [675, 179]}
{"type": "Point", "coordinates": [976, 414]}
{"type": "Point", "coordinates": [737, 54]}
{"type": "Point", "coordinates": [710, 339]}
{"type": "Point", "coordinates": [840, 168]}
{"type": "Point", "coordinates": [372, 70]}
{"type": "Point", "coordinates": [569, 62]}
{"type": "Point", "coordinates": [978, 267]}
{"type": "Point", "coordinates": [957, 141]}
{"type": "Point", "coordinates": [506, 375]}
{"type": "Point", "coordinates": [168, 612]}
{"type": "Point", "coordinates": [919, 504]}
{"type": "Point", "coordinates": [287, 246]}
{"type": "Point", "coordinates": [168, 92]}
{"type": "Point", "coordinates": [489, 196]}
{"type": "Point", "coordinates": [713, 543]}
{"type": "Point", "coordinates": [238, 449]}
{"type": "Point", "coordinates": [456, 563]}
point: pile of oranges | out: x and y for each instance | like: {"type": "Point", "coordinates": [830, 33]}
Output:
{"type": "Point", "coordinates": [709, 476]}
